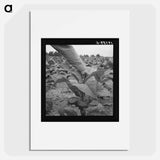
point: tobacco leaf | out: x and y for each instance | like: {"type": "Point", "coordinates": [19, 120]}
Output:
{"type": "Point", "coordinates": [73, 100]}
{"type": "Point", "coordinates": [93, 103]}
{"type": "Point", "coordinates": [103, 93]}
{"type": "Point", "coordinates": [85, 89]}
{"type": "Point", "coordinates": [92, 84]}
{"type": "Point", "coordinates": [76, 86]}
{"type": "Point", "coordinates": [96, 111]}
{"type": "Point", "coordinates": [96, 74]}
{"type": "Point", "coordinates": [69, 111]}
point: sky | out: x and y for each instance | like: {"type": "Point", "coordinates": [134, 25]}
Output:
{"type": "Point", "coordinates": [103, 50]}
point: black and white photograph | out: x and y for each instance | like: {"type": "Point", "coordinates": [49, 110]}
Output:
{"type": "Point", "coordinates": [79, 79]}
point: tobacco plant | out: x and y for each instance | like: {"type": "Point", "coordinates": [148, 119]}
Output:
{"type": "Point", "coordinates": [70, 97]}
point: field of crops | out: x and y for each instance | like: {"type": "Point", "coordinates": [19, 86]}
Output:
{"type": "Point", "coordinates": [67, 96]}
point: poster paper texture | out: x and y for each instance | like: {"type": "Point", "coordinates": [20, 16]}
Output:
{"type": "Point", "coordinates": [79, 80]}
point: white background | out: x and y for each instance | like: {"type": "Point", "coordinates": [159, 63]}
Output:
{"type": "Point", "coordinates": [14, 126]}
{"type": "Point", "coordinates": [79, 24]}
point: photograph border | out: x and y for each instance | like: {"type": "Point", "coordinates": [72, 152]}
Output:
{"type": "Point", "coordinates": [81, 41]}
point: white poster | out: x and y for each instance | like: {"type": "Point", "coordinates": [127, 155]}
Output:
{"type": "Point", "coordinates": [79, 80]}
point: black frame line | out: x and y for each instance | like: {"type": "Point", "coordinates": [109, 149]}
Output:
{"type": "Point", "coordinates": [81, 41]}
{"type": "Point", "coordinates": [91, 150]}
